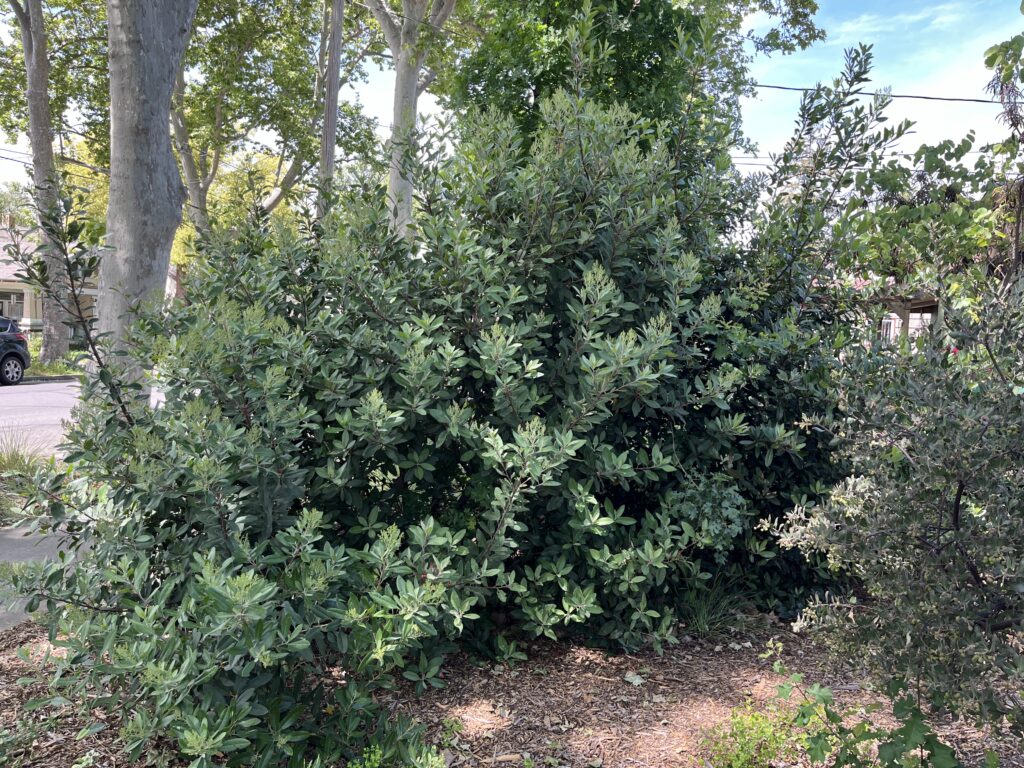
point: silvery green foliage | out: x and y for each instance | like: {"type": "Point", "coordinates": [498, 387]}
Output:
{"type": "Point", "coordinates": [930, 520]}
{"type": "Point", "coordinates": [573, 392]}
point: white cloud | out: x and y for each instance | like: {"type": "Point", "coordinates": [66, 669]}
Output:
{"type": "Point", "coordinates": [928, 57]}
{"type": "Point", "coordinates": [757, 22]}
{"type": "Point", "coordinates": [869, 26]}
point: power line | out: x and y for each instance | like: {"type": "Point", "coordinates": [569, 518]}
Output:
{"type": "Point", "coordinates": [772, 86]}
{"type": "Point", "coordinates": [15, 160]}
{"type": "Point", "coordinates": [29, 166]}
{"type": "Point", "coordinates": [889, 95]}
{"type": "Point", "coordinates": [14, 151]}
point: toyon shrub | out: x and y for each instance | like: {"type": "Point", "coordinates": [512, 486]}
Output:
{"type": "Point", "coordinates": [560, 405]}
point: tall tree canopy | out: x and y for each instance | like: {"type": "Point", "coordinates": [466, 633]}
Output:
{"type": "Point", "coordinates": [251, 79]}
{"type": "Point", "coordinates": [519, 56]}
{"type": "Point", "coordinates": [76, 32]}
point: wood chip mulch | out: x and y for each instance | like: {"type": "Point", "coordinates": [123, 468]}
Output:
{"type": "Point", "coordinates": [566, 706]}
{"type": "Point", "coordinates": [45, 737]}
{"type": "Point", "coordinates": [583, 708]}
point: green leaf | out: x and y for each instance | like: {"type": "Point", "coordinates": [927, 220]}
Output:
{"type": "Point", "coordinates": [90, 730]}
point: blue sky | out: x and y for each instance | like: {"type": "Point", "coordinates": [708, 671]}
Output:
{"type": "Point", "coordinates": [921, 47]}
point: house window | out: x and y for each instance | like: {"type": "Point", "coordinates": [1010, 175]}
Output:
{"type": "Point", "coordinates": [888, 327]}
{"type": "Point", "coordinates": [12, 304]}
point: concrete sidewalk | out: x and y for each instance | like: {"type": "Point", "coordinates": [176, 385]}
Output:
{"type": "Point", "coordinates": [31, 418]}
{"type": "Point", "coordinates": [16, 547]}
{"type": "Point", "coordinates": [32, 414]}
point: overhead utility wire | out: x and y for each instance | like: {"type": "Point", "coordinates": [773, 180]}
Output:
{"type": "Point", "coordinates": [800, 89]}
{"type": "Point", "coordinates": [890, 95]}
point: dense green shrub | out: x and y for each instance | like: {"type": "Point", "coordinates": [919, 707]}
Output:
{"type": "Point", "coordinates": [570, 396]}
{"type": "Point", "coordinates": [930, 521]}
{"type": "Point", "coordinates": [599, 406]}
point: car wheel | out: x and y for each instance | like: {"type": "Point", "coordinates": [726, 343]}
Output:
{"type": "Point", "coordinates": [11, 370]}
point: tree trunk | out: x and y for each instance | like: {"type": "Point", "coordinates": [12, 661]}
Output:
{"type": "Point", "coordinates": [403, 138]}
{"type": "Point", "coordinates": [44, 170]}
{"type": "Point", "coordinates": [147, 39]}
{"type": "Point", "coordinates": [402, 31]}
{"type": "Point", "coordinates": [195, 185]}
{"type": "Point", "coordinates": [284, 185]}
{"type": "Point", "coordinates": [329, 137]}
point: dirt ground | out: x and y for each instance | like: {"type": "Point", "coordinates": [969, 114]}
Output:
{"type": "Point", "coordinates": [578, 707]}
{"type": "Point", "coordinates": [566, 706]}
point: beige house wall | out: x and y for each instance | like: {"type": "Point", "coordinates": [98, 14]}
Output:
{"type": "Point", "coordinates": [917, 323]}
{"type": "Point", "coordinates": [22, 304]}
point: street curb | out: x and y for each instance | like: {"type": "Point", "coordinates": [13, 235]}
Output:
{"type": "Point", "coordinates": [38, 379]}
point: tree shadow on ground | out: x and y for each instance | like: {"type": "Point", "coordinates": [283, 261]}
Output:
{"type": "Point", "coordinates": [578, 707]}
{"type": "Point", "coordinates": [575, 706]}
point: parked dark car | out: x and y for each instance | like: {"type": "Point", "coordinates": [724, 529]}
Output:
{"type": "Point", "coordinates": [14, 356]}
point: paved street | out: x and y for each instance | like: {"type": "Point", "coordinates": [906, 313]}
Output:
{"type": "Point", "coordinates": [31, 416]}
{"type": "Point", "coordinates": [32, 413]}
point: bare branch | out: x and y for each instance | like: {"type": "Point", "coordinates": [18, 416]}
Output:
{"type": "Point", "coordinates": [81, 164]}
{"type": "Point", "coordinates": [388, 24]}
{"type": "Point", "coordinates": [22, 15]}
{"type": "Point", "coordinates": [440, 12]}
{"type": "Point", "coordinates": [1002, 626]}
{"type": "Point", "coordinates": [994, 360]}
{"type": "Point", "coordinates": [218, 123]}
{"type": "Point", "coordinates": [295, 170]}
{"type": "Point", "coordinates": [426, 82]}
{"type": "Point", "coordinates": [353, 65]}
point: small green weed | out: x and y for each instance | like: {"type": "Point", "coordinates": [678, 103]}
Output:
{"type": "Point", "coordinates": [17, 738]}
{"type": "Point", "coordinates": [451, 727]}
{"type": "Point", "coordinates": [372, 758]}
{"type": "Point", "coordinates": [853, 740]}
{"type": "Point", "coordinates": [507, 652]}
{"type": "Point", "coordinates": [755, 738]}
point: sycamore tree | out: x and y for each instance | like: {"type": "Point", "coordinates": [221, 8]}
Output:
{"type": "Point", "coordinates": [77, 82]}
{"type": "Point", "coordinates": [640, 52]}
{"type": "Point", "coordinates": [257, 72]}
{"type": "Point", "coordinates": [146, 42]}
{"type": "Point", "coordinates": [30, 20]}
{"type": "Point", "coordinates": [16, 202]}
{"type": "Point", "coordinates": [412, 28]}
{"type": "Point", "coordinates": [252, 79]}
{"type": "Point", "coordinates": [248, 75]}
{"type": "Point", "coordinates": [649, 55]}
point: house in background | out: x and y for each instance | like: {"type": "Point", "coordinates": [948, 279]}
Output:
{"type": "Point", "coordinates": [21, 303]}
{"type": "Point", "coordinates": [905, 316]}
{"type": "Point", "coordinates": [18, 301]}
{"type": "Point", "coordinates": [908, 317]}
